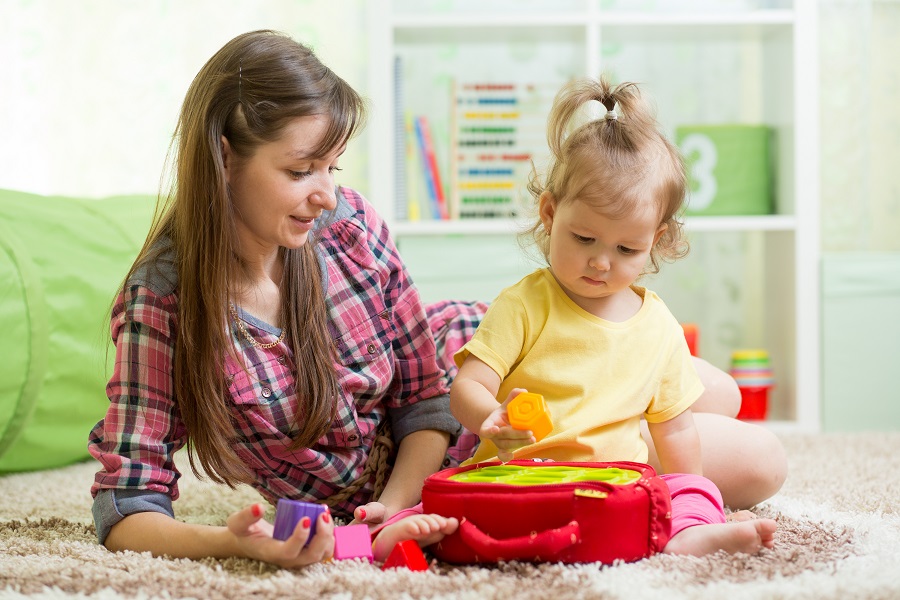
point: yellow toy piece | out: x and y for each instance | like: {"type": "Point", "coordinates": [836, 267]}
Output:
{"type": "Point", "coordinates": [528, 411]}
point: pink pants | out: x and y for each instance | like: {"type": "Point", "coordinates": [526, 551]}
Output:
{"type": "Point", "coordinates": [695, 501]}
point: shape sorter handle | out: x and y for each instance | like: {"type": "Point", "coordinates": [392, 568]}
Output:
{"type": "Point", "coordinates": [545, 544]}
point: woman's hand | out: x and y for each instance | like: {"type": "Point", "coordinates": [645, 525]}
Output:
{"type": "Point", "coordinates": [373, 513]}
{"type": "Point", "coordinates": [253, 536]}
{"type": "Point", "coordinates": [497, 429]}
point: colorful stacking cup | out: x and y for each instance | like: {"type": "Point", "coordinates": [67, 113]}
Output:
{"type": "Point", "coordinates": [753, 373]}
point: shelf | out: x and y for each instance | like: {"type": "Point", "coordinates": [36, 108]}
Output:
{"type": "Point", "coordinates": [738, 223]}
{"type": "Point", "coordinates": [749, 280]}
{"type": "Point", "coordinates": [511, 226]}
{"type": "Point", "coordinates": [458, 227]}
{"type": "Point", "coordinates": [455, 20]}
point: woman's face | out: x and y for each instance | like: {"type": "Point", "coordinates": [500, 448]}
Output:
{"type": "Point", "coordinates": [281, 190]}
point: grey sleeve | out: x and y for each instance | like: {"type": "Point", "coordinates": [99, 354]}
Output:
{"type": "Point", "coordinates": [111, 506]}
{"type": "Point", "coordinates": [433, 413]}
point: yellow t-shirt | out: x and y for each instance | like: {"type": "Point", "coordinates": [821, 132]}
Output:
{"type": "Point", "coordinates": [598, 377]}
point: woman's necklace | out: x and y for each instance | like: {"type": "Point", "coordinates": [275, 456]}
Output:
{"type": "Point", "coordinates": [249, 337]}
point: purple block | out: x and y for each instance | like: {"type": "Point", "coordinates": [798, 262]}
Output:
{"type": "Point", "coordinates": [353, 541]}
{"type": "Point", "coordinates": [289, 512]}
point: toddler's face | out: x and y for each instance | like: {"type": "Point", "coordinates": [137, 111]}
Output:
{"type": "Point", "coordinates": [595, 257]}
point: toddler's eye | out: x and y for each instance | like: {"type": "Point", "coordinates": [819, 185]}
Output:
{"type": "Point", "coordinates": [333, 169]}
{"type": "Point", "coordinates": [626, 251]}
{"type": "Point", "coordinates": [581, 239]}
{"type": "Point", "coordinates": [299, 174]}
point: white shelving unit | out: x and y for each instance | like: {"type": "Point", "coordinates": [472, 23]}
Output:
{"type": "Point", "coordinates": [703, 62]}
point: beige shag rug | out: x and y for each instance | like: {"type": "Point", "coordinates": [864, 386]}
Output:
{"type": "Point", "coordinates": [839, 538]}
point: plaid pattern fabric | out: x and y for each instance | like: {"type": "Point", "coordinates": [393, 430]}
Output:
{"type": "Point", "coordinates": [453, 323]}
{"type": "Point", "coordinates": [387, 359]}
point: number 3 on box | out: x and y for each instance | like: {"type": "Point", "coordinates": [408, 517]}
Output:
{"type": "Point", "coordinates": [701, 146]}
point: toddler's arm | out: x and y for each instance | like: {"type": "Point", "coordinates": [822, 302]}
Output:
{"type": "Point", "coordinates": [677, 444]}
{"type": "Point", "coordinates": [473, 401]}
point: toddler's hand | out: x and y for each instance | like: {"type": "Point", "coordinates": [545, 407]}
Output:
{"type": "Point", "coordinates": [497, 429]}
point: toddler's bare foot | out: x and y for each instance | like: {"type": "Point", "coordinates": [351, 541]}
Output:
{"type": "Point", "coordinates": [741, 515]}
{"type": "Point", "coordinates": [424, 529]}
{"type": "Point", "coordinates": [739, 536]}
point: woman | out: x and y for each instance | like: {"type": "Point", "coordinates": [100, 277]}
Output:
{"type": "Point", "coordinates": [268, 322]}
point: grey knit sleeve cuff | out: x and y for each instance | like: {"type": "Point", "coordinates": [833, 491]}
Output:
{"type": "Point", "coordinates": [111, 506]}
{"type": "Point", "coordinates": [433, 413]}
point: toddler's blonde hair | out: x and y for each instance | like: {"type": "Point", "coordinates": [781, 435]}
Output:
{"type": "Point", "coordinates": [619, 163]}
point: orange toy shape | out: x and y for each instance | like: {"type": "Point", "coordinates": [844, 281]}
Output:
{"type": "Point", "coordinates": [529, 411]}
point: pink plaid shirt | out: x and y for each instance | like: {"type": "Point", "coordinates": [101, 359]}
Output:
{"type": "Point", "coordinates": [388, 365]}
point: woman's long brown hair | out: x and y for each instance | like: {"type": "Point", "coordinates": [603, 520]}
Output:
{"type": "Point", "coordinates": [247, 92]}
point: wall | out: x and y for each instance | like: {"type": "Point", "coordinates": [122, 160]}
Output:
{"type": "Point", "coordinates": [90, 90]}
{"type": "Point", "coordinates": [860, 78]}
{"type": "Point", "coordinates": [860, 341]}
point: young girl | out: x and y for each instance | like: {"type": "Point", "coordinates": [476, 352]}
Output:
{"type": "Point", "coordinates": [603, 351]}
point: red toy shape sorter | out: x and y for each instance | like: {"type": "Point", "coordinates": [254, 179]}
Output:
{"type": "Point", "coordinates": [565, 512]}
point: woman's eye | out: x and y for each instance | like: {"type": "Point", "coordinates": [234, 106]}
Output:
{"type": "Point", "coordinates": [299, 174]}
{"type": "Point", "coordinates": [333, 169]}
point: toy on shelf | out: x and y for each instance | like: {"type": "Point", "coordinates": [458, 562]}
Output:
{"type": "Point", "coordinates": [289, 512]}
{"type": "Point", "coordinates": [406, 554]}
{"type": "Point", "coordinates": [692, 337]}
{"type": "Point", "coordinates": [529, 411]}
{"type": "Point", "coordinates": [353, 541]}
{"type": "Point", "coordinates": [753, 374]}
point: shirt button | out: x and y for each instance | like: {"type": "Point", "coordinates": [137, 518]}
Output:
{"type": "Point", "coordinates": [281, 360]}
{"type": "Point", "coordinates": [371, 348]}
{"type": "Point", "coordinates": [446, 462]}
{"type": "Point", "coordinates": [266, 392]}
{"type": "Point", "coordinates": [353, 437]}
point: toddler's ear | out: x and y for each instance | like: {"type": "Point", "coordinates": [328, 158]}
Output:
{"type": "Point", "coordinates": [661, 230]}
{"type": "Point", "coordinates": [547, 209]}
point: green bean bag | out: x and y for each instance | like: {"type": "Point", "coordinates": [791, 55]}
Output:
{"type": "Point", "coordinates": [61, 260]}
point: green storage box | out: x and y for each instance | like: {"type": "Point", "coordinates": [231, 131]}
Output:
{"type": "Point", "coordinates": [61, 260]}
{"type": "Point", "coordinates": [729, 168]}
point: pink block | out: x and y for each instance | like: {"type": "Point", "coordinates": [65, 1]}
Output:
{"type": "Point", "coordinates": [353, 541]}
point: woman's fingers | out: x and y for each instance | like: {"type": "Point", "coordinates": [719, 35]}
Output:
{"type": "Point", "coordinates": [321, 547]}
{"type": "Point", "coordinates": [298, 553]}
{"type": "Point", "coordinates": [373, 513]}
{"type": "Point", "coordinates": [293, 546]}
{"type": "Point", "coordinates": [239, 522]}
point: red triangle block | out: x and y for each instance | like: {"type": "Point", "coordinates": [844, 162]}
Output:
{"type": "Point", "coordinates": [406, 554]}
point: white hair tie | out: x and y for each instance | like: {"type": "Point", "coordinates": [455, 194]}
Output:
{"type": "Point", "coordinates": [611, 115]}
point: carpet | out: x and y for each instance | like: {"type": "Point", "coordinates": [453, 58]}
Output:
{"type": "Point", "coordinates": [839, 537]}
